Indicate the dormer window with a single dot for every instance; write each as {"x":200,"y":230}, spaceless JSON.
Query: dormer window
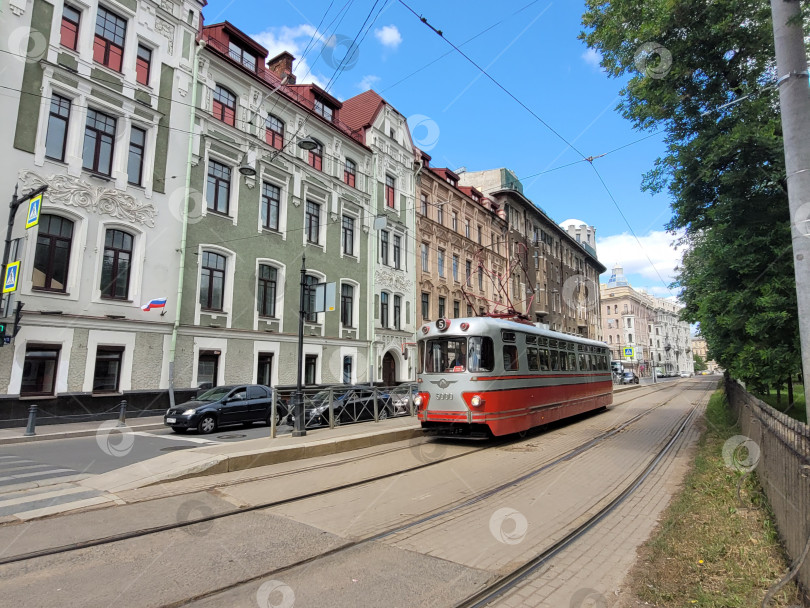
{"x":324,"y":110}
{"x":451,"y":181}
{"x":476,"y":198}
{"x":242,"y":56}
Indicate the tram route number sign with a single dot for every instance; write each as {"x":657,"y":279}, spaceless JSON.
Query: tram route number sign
{"x":629,"y":352}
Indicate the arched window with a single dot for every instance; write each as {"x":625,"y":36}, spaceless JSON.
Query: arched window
{"x":52,"y":253}
{"x":350,"y":173}
{"x":224,"y":105}
{"x":212,"y":281}
{"x":116,"y":265}
{"x":266,"y":292}
{"x":274,"y":135}
{"x":316,"y":156}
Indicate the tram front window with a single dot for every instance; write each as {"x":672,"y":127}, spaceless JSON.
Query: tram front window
{"x":454,"y":355}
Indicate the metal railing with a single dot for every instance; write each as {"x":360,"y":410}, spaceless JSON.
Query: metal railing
{"x":332,"y":406}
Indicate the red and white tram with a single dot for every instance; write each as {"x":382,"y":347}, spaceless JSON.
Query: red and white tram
{"x":484,"y":375}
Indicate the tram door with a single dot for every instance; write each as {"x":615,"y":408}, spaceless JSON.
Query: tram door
{"x":389,"y":370}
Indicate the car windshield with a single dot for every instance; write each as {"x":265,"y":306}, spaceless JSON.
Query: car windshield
{"x":214,"y":394}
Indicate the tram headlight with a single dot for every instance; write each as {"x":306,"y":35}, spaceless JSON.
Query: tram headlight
{"x":417,"y":401}
{"x":477,"y":401}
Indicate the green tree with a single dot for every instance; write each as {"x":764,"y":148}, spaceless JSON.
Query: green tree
{"x":700,"y":364}
{"x":703,"y":72}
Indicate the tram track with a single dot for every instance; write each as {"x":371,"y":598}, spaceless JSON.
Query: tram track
{"x":154,"y":530}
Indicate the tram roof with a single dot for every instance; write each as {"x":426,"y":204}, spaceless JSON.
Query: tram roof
{"x":478,"y":322}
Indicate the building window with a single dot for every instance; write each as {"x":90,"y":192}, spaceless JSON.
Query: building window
{"x":310,"y":369}
{"x":441,"y":307}
{"x":212,"y":281}
{"x":143,"y":65}
{"x":271,"y":202}
{"x":207,"y":368}
{"x":390,"y":191}
{"x":455,"y":268}
{"x":350,"y":173}
{"x":57,"y":128}
{"x":384,"y":247}
{"x":480,"y":238}
{"x":468,"y":269}
{"x":52,"y":253}
{"x":348,"y":235}
{"x":425,"y":259}
{"x":39,"y":370}
{"x":266,"y":293}
{"x":107,"y":373}
{"x":397,"y":311}
{"x":224,"y":105}
{"x":454,"y":221}
{"x":242,"y":56}
{"x":218,"y":193}
{"x":423,"y":204}
{"x":467,"y":228}
{"x":274,"y":132}
{"x":315,"y":158}
{"x":313,"y":221}
{"x":310,"y":316}
{"x":347,"y":370}
{"x":346,"y":305}
{"x":440,"y":213}
{"x":108,"y":47}
{"x":456,"y":309}
{"x":440,"y":262}
{"x":481,"y":278}
{"x":99,"y":135}
{"x":264,"y":369}
{"x":324,"y":110}
{"x":137,"y":145}
{"x":425,"y":306}
{"x":397,"y":251}
{"x":469,"y":310}
{"x":116,"y":265}
{"x":384,"y":309}
{"x":70,"y":27}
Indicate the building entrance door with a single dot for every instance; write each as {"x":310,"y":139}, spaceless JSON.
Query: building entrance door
{"x":389,"y":370}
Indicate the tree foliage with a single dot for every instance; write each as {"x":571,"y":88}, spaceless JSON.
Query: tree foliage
{"x":703,"y":72}
{"x":700,"y":364}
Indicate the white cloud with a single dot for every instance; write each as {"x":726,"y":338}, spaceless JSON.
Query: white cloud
{"x":295,"y":40}
{"x":388,"y":36}
{"x":623,"y":249}
{"x":368,"y":82}
{"x":592,"y":58}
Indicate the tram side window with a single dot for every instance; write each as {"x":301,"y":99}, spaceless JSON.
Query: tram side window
{"x":582,"y":363}
{"x":572,"y":361}
{"x":563,"y":361}
{"x":420,"y":364}
{"x":481,"y":356}
{"x":534,"y":359}
{"x":510,"y":358}
{"x":544,"y":359}
{"x":555,"y":361}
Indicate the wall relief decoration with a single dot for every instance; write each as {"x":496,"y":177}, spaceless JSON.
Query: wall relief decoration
{"x":72,"y":192}
{"x":167,"y":29}
{"x":395,"y":281}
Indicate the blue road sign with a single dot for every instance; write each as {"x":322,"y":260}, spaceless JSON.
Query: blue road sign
{"x":34,"y":208}
{"x":10,"y":280}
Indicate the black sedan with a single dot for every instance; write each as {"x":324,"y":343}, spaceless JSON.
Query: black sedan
{"x":350,"y":404}
{"x":223,"y":406}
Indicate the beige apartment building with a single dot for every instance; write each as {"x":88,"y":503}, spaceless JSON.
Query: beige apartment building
{"x":701,"y":349}
{"x":555,"y":278}
{"x":650,"y":326}
{"x":460,"y":247}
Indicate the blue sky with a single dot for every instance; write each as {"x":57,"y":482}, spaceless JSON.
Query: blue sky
{"x":467,"y":121}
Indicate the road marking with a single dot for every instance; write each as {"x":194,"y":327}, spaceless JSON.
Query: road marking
{"x":199,"y":440}
{"x":37,"y":474}
{"x":50,"y":494}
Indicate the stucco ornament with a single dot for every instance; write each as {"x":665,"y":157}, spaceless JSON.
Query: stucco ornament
{"x":392,"y":280}
{"x":167,"y":29}
{"x":72,"y":192}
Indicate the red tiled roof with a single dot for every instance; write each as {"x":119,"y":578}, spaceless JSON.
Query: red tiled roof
{"x":358,"y":112}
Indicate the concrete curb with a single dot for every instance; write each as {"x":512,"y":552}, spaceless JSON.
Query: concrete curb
{"x":70,"y":434}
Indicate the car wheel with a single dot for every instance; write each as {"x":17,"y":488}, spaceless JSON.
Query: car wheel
{"x":247,"y":424}
{"x":382,"y":414}
{"x":208,"y":424}
{"x":269,"y":419}
{"x":179,"y":429}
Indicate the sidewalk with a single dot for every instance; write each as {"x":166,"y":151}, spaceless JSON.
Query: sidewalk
{"x":75,"y":429}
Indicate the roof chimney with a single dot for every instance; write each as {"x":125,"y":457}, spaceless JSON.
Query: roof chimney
{"x":281,"y":66}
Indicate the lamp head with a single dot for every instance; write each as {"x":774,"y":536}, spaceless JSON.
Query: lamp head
{"x":307,"y":143}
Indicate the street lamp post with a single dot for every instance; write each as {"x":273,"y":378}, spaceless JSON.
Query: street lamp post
{"x":300,"y":429}
{"x":12,"y":212}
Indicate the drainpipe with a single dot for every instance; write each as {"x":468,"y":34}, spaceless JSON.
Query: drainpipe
{"x":372,"y":265}
{"x":173,"y":348}
{"x":416,"y":293}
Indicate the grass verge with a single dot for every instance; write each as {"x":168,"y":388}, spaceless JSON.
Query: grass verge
{"x":712,"y":548}
{"x":798,"y":410}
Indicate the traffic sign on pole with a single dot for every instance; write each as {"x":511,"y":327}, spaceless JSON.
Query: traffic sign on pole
{"x":34,"y":209}
{"x":629,"y":352}
{"x":11,"y":276}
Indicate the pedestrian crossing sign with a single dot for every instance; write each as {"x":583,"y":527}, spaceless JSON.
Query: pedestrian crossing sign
{"x":10,"y":278}
{"x":34,"y":208}
{"x":629,"y":352}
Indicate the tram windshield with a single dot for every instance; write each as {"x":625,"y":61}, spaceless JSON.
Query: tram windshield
{"x":455,"y":355}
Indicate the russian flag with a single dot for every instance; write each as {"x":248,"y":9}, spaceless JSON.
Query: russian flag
{"x":154,"y":303}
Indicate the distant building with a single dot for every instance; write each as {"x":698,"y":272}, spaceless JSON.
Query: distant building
{"x":701,"y":349}
{"x":650,"y":326}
